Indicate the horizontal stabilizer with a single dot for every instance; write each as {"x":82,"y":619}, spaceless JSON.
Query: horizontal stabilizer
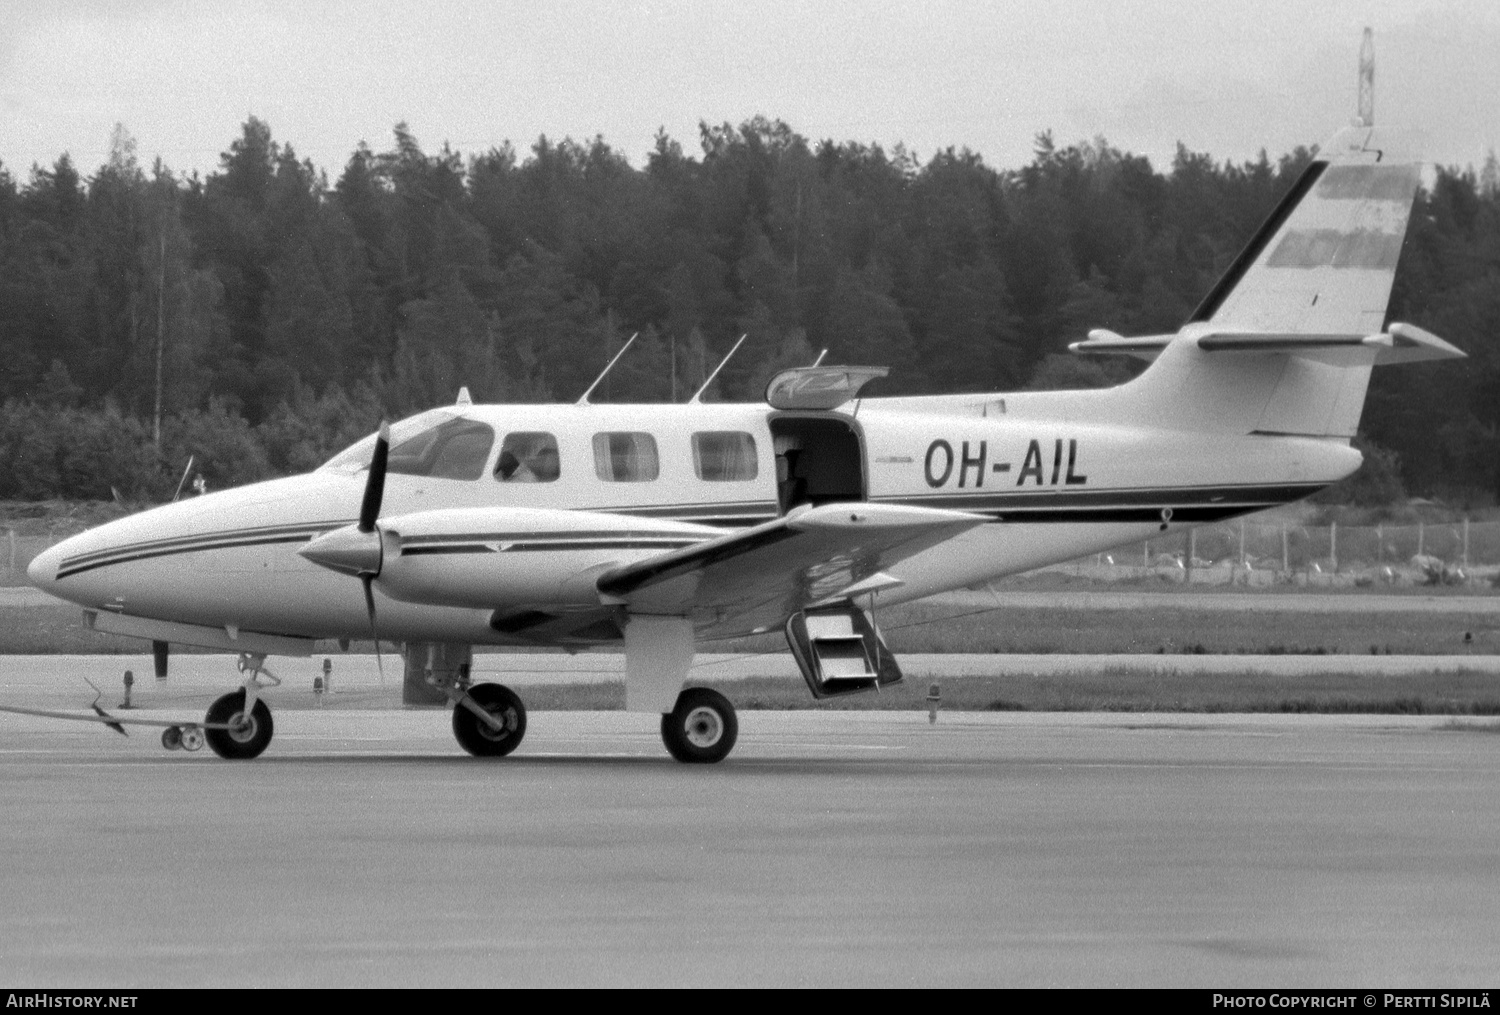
{"x":1102,"y":342}
{"x":1403,"y":343}
{"x":1411,"y":344}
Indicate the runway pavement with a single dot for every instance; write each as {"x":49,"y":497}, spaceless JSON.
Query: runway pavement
{"x":829,"y":849}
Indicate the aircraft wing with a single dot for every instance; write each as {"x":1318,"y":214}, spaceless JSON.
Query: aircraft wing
{"x":755,"y":578}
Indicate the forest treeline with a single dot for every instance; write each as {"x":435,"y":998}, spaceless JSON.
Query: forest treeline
{"x":265,"y":316}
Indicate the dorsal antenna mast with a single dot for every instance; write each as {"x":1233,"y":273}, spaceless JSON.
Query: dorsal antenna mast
{"x":610,"y":366}
{"x":726,"y":359}
{"x":1366,"y":116}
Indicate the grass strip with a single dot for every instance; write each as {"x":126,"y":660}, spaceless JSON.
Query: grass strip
{"x":923,"y":627}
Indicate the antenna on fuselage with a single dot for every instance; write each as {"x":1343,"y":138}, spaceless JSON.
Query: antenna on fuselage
{"x":183,"y":481}
{"x":699,"y":394}
{"x":819,"y":360}
{"x":1366,"y":116}
{"x":585,"y":399}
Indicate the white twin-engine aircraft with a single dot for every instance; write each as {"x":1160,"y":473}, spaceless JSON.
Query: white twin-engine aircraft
{"x":663,"y":526}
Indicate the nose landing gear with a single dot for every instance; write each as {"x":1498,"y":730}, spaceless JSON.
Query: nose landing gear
{"x":488,"y":720}
{"x":235,"y":732}
{"x":238,"y":726}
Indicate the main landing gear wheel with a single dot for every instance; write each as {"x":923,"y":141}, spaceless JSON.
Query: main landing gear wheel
{"x":477,"y":736}
{"x":702,"y":728}
{"x":247,"y":736}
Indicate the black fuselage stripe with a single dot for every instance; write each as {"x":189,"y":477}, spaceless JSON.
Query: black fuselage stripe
{"x":602,"y":544}
{"x":559,"y":544}
{"x":1106,"y":516}
{"x":1254,"y":496}
{"x":306,"y":529}
{"x":721,"y":507}
{"x":514,"y":537}
{"x":1188,"y":504}
{"x":224,"y":543}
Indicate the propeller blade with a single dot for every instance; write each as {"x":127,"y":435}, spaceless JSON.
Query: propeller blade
{"x":368,"y":581}
{"x":369,"y":509}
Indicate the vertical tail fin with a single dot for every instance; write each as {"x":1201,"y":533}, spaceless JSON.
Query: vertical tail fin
{"x":1324,"y":261}
{"x":1285,"y":340}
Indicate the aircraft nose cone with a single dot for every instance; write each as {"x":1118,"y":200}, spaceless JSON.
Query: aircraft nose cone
{"x":42,"y":571}
{"x":346,"y":550}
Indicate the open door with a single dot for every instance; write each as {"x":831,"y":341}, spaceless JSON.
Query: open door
{"x":819,"y":460}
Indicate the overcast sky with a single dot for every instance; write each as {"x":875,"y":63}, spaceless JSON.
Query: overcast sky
{"x":1228,"y":79}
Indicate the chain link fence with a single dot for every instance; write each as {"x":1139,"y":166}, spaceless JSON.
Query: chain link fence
{"x":1261,"y":552}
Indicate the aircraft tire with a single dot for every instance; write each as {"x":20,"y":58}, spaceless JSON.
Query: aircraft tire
{"x":478,"y":738}
{"x":702,"y":728}
{"x":243,"y":743}
{"x":171,"y":738}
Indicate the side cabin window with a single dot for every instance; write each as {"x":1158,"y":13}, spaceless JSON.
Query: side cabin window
{"x":721,"y":456}
{"x":625,"y":457}
{"x":456,"y":448}
{"x":527,"y":456}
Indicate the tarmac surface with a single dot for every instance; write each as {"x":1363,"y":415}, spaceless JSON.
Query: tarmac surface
{"x":831,"y":848}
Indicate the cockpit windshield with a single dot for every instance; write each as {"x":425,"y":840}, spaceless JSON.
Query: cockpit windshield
{"x":440,"y":444}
